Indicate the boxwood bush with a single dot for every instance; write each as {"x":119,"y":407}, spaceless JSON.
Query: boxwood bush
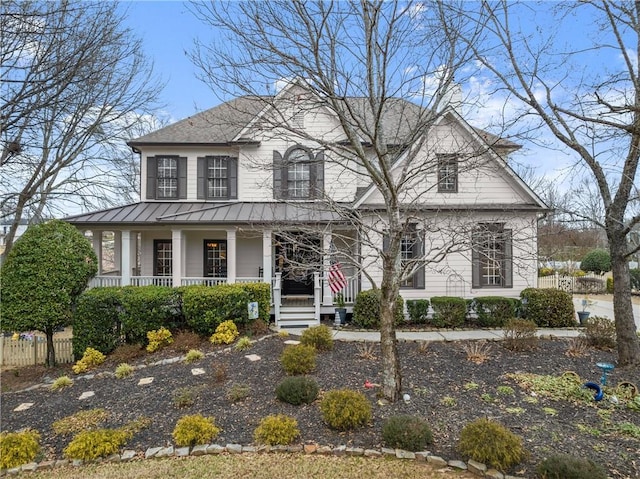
{"x":547,"y":307}
{"x":96,"y":321}
{"x":448,"y":311}
{"x":205,"y":307}
{"x":148,"y":308}
{"x":418,"y":310}
{"x":366,"y":309}
{"x":494,"y":311}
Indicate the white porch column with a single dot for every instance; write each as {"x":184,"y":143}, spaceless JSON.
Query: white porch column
{"x":96,"y":241}
{"x":327,"y":297}
{"x":266,"y":256}
{"x":177,"y":264}
{"x":231,"y":256}
{"x":125,"y":257}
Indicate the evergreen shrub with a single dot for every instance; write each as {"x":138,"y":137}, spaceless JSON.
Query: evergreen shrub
{"x":345,"y":409}
{"x":448,"y":311}
{"x":494,"y":311}
{"x":406,"y":432}
{"x":418,"y":310}
{"x":548,"y":307}
{"x":366,"y":309}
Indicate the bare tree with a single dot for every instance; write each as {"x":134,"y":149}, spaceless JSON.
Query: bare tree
{"x":370,"y":64}
{"x":593,"y":111}
{"x":75,"y":87}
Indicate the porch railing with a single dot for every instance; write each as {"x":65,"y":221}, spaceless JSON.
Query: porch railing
{"x":151,"y":280}
{"x":350,"y":291}
{"x":204,"y":281}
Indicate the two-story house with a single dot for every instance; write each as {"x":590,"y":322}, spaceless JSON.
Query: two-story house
{"x":226,"y":197}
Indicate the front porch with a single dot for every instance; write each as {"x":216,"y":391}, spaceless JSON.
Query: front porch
{"x":226,"y":255}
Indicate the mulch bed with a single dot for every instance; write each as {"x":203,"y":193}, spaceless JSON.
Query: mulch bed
{"x":434,"y":377}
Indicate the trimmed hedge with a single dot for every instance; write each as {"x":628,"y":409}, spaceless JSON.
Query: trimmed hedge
{"x":366,"y":309}
{"x":547,"y":307}
{"x":205,"y":307}
{"x":418,"y":310}
{"x":494,"y":311}
{"x":448,"y":311}
{"x":96,"y":321}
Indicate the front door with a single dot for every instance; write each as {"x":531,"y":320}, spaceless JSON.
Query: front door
{"x":297,"y":258}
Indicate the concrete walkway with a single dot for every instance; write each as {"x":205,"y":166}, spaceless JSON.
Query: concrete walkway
{"x":605,"y":308}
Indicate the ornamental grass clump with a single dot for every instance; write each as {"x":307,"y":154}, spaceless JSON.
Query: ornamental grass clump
{"x":226,"y":333}
{"x":90,"y":359}
{"x":345,"y":409}
{"x":298,"y":359}
{"x":276,"y":430}
{"x":320,"y":337}
{"x":18,"y":448}
{"x":193,"y":430}
{"x":491,"y":443}
{"x":61,"y":383}
{"x":406,"y":432}
{"x":193,"y":355}
{"x":124,"y":370}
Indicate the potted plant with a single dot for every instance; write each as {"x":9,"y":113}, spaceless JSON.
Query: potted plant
{"x":584,"y":314}
{"x":341,"y":310}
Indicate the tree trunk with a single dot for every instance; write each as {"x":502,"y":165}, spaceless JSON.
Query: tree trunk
{"x":391,"y":378}
{"x":51,"y":352}
{"x":628,"y":344}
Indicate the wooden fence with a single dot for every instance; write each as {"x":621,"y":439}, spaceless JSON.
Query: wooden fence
{"x":28,"y":352}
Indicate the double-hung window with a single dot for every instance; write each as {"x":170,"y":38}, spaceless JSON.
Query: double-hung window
{"x":298,"y":174}
{"x":217,"y":178}
{"x":167,"y":177}
{"x":162,"y":257}
{"x":492,"y":257}
{"x":447,"y":174}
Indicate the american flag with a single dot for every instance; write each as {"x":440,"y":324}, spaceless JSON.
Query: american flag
{"x":337,"y":279}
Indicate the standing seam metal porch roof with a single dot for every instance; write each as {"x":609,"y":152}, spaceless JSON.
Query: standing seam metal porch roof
{"x":149,"y":213}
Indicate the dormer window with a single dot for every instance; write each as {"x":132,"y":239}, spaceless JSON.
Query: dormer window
{"x":298,"y":174}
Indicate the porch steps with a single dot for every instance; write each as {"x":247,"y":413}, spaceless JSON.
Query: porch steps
{"x":297,"y":317}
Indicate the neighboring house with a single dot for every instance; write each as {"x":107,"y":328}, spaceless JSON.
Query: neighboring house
{"x":5,"y":226}
{"x":228,"y":199}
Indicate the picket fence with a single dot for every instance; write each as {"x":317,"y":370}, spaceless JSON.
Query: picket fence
{"x":29,"y":352}
{"x":590,"y":283}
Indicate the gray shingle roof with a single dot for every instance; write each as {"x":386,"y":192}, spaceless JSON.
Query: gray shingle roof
{"x":222,"y":124}
{"x":208,"y":213}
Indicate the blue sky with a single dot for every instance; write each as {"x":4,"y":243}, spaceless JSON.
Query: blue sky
{"x":167,"y":30}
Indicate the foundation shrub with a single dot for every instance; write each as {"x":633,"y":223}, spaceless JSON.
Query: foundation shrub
{"x":17,"y":448}
{"x":418,"y":310}
{"x":547,"y":307}
{"x":297,"y":390}
{"x":193,"y":430}
{"x":366,"y":309}
{"x":600,"y":332}
{"x":565,"y":466}
{"x":276,"y":430}
{"x":494,"y":311}
{"x":345,"y":409}
{"x":448,"y":311}
{"x":406,"y":432}
{"x":298,"y":359}
{"x":90,"y":359}
{"x":491,"y":443}
{"x":158,"y":339}
{"x":320,"y":337}
{"x":226,"y":333}
{"x":205,"y":307}
{"x":96,"y":321}
{"x":149,"y":308}
{"x":91,"y":445}
{"x":520,"y":335}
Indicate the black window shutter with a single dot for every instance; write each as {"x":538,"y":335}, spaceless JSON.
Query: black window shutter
{"x":182,"y":177}
{"x":418,"y":252}
{"x":279,"y":182}
{"x":318,"y":185}
{"x":232,"y":174}
{"x":475,"y":261}
{"x":152,"y":171}
{"x":508,"y":259}
{"x":385,"y":243}
{"x":202,"y":178}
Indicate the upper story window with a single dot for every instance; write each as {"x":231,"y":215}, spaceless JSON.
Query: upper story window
{"x":217,"y":177}
{"x":298,"y":174}
{"x":166,"y":177}
{"x":447,"y":174}
{"x":492,"y":257}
